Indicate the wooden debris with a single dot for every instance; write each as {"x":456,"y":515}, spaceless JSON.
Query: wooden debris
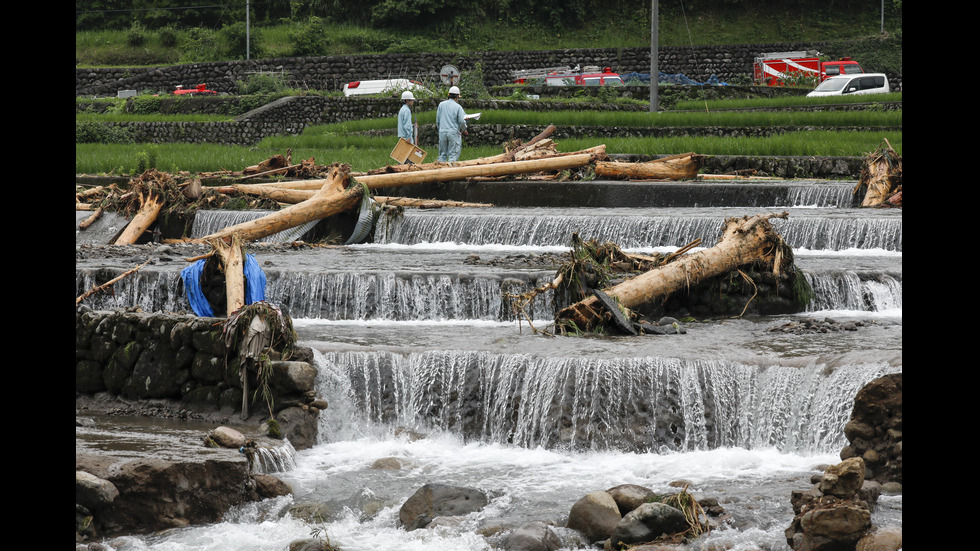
{"x":84,"y":224}
{"x":109,"y":283}
{"x":229,"y":252}
{"x":147,"y":215}
{"x":684,"y":166}
{"x":424,"y":203}
{"x":745,"y":241}
{"x":330,"y":199}
{"x":882,"y":176}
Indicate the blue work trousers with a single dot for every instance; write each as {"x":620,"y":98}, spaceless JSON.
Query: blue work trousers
{"x":450,"y":144}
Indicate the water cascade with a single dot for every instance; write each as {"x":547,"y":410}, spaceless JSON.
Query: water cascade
{"x":645,"y":404}
{"x":648,"y":228}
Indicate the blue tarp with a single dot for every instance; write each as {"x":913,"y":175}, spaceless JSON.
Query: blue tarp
{"x":665,"y":78}
{"x":254,"y":285}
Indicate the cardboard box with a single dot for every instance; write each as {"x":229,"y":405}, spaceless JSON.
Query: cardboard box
{"x":404,"y":152}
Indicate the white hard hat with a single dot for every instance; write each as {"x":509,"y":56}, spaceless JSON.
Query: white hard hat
{"x":454,"y":90}
{"x":407,"y":94}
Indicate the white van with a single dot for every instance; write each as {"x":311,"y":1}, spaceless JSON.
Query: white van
{"x":843,"y":85}
{"x":371,"y":87}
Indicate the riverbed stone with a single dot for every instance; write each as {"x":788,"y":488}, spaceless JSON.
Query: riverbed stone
{"x":533,"y":536}
{"x":595,"y":516}
{"x":227,"y":437}
{"x":630,"y":496}
{"x":435,"y":500}
{"x":648,"y":522}
{"x":93,"y":492}
{"x":836,"y":527}
{"x":888,"y":538}
{"x":844,"y":479}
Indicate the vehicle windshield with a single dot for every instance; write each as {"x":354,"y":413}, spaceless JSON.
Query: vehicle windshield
{"x":831,"y":85}
{"x":851,"y":69}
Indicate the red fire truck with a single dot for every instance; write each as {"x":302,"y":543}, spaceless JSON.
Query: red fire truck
{"x":772,"y":69}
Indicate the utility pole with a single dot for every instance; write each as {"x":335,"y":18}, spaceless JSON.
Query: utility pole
{"x":654,"y":67}
{"x":248,"y":35}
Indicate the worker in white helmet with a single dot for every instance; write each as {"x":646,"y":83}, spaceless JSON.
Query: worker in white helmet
{"x":450,"y":119}
{"x":406,"y":129}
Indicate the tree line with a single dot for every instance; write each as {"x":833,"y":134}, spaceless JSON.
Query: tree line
{"x":413,"y":15}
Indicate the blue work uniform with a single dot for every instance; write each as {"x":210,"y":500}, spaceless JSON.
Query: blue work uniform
{"x":451,"y":123}
{"x":405,"y":129}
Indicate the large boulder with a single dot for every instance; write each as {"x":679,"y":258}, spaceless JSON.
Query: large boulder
{"x":157,"y":494}
{"x":437,"y":500}
{"x":298,"y":425}
{"x":832,"y":528}
{"x":595,"y":516}
{"x":93,"y":492}
{"x":648,"y":522}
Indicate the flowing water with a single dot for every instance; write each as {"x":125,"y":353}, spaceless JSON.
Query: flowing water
{"x":424,"y":366}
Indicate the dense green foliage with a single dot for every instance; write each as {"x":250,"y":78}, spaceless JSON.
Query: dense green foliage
{"x":140,"y":32}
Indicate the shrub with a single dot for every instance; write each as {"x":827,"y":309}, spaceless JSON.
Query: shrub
{"x":146,"y":159}
{"x":95,"y":132}
{"x":238,"y":42}
{"x":262,"y":83}
{"x":168,"y":36}
{"x":200,"y":45}
{"x":136,"y":36}
{"x":309,"y":38}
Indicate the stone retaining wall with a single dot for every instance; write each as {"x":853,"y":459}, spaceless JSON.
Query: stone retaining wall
{"x":183,"y":358}
{"x":727,"y":62}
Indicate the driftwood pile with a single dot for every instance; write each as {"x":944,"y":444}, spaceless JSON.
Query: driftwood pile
{"x":335,"y":189}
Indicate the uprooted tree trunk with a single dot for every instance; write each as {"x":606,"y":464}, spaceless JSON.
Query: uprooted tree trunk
{"x":882,"y":175}
{"x":229,"y":251}
{"x":333,"y":197}
{"x":147,"y":215}
{"x":745,"y":241}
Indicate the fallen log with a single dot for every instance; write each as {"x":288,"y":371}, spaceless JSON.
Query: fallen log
{"x":748,"y":240}
{"x":332,"y":198}
{"x":375,"y":181}
{"x":149,"y":210}
{"x":676,"y":167}
{"x":457,"y":172}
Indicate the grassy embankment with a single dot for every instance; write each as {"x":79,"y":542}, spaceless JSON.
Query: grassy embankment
{"x":341,"y":143}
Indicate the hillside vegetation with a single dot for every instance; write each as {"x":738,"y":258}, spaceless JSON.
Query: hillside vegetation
{"x":163,"y":32}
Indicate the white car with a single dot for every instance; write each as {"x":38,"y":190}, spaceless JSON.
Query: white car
{"x":843,"y":85}
{"x":373,"y":87}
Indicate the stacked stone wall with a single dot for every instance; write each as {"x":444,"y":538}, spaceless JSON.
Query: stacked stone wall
{"x":172,"y":357}
{"x":330,"y":73}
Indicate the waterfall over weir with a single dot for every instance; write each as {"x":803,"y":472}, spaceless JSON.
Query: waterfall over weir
{"x":574,"y":403}
{"x":631,"y":229}
{"x":210,"y":221}
{"x":413,"y":296}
